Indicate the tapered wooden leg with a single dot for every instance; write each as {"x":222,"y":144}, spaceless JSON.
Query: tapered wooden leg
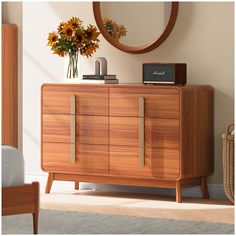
{"x":49,"y":183}
{"x":178,"y":192}
{"x":204,"y":188}
{"x":35,"y":222}
{"x":76,"y":184}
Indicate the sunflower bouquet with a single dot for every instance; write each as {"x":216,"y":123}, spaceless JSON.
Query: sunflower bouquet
{"x":114,"y":29}
{"x":72,"y":39}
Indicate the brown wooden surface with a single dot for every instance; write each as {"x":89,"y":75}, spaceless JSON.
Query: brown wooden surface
{"x":190,"y":182}
{"x":89,"y":129}
{"x":76,"y":185}
{"x":124,"y":131}
{"x":90,"y":100}
{"x":124,"y":101}
{"x":89,"y":158}
{"x":21,"y":200}
{"x":49,"y":183}
{"x":149,"y":46}
{"x":116,"y":180}
{"x":178,"y":136}
{"x":159,"y":163}
{"x":197,"y":135}
{"x":35,"y":222}
{"x":204,"y":188}
{"x":9,"y":85}
{"x":178,"y":192}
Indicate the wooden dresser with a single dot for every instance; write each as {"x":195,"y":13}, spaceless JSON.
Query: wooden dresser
{"x":128,"y":134}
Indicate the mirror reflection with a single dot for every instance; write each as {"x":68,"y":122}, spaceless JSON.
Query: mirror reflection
{"x":135,"y":23}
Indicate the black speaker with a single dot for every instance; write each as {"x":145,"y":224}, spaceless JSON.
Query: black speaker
{"x":164,"y":73}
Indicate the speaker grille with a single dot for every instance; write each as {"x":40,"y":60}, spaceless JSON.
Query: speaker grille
{"x":158,"y":73}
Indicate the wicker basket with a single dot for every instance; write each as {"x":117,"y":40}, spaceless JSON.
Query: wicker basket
{"x":228,"y":162}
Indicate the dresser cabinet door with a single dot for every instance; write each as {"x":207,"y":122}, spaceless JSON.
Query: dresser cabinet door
{"x":161,"y":159}
{"x":159,"y":163}
{"x":88,"y":129}
{"x":89,"y":100}
{"x":161,"y":132}
{"x":89,"y":126}
{"x":159,"y":102}
{"x":89,"y":159}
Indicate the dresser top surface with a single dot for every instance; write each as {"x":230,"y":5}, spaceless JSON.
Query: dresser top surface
{"x":133,"y":85}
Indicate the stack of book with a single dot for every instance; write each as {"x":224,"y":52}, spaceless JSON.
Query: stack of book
{"x":99,"y":79}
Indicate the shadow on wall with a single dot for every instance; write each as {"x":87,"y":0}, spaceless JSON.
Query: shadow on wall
{"x":32,"y":137}
{"x":40,"y":66}
{"x":71,"y":10}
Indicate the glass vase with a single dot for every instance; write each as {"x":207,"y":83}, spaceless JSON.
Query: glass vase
{"x":72,"y":69}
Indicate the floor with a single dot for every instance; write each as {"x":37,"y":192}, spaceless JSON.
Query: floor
{"x":220,"y":211}
{"x":147,"y":205}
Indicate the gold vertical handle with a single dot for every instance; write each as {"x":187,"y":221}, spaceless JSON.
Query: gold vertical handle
{"x":72,"y":129}
{"x":141,"y":132}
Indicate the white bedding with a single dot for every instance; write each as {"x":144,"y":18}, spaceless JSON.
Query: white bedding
{"x":12,"y":167}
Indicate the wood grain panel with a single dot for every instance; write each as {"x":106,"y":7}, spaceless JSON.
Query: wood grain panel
{"x":92,"y":129}
{"x":124,"y":101}
{"x":89,"y":158}
{"x":124,"y":131}
{"x":9,"y":85}
{"x":111,"y":179}
{"x":20,"y":199}
{"x":89,"y":129}
{"x":159,"y":163}
{"x":90,"y":100}
{"x":56,"y":128}
{"x":197,"y":124}
{"x":162,"y":133}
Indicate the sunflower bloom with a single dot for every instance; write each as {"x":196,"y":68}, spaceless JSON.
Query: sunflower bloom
{"x":67,"y":31}
{"x":91,"y":34}
{"x":60,"y":27}
{"x":52,"y":38}
{"x":89,"y":50}
{"x":75,"y":22}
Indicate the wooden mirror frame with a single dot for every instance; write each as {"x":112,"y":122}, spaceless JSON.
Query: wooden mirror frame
{"x":140,"y":49}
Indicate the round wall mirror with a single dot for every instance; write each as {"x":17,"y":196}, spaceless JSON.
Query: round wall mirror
{"x":135,"y":27}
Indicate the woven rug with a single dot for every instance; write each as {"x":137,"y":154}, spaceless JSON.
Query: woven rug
{"x":68,"y":222}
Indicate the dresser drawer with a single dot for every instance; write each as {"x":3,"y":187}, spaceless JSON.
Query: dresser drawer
{"x":159,"y":163}
{"x":88,"y":158}
{"x":164,"y":133}
{"x":89,"y":129}
{"x":159,"y":103}
{"x":90,"y":100}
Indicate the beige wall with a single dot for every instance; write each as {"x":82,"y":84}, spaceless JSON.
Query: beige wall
{"x":12,"y":14}
{"x":203,"y":38}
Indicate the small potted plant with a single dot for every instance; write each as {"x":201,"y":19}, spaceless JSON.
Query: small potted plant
{"x":72,"y":39}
